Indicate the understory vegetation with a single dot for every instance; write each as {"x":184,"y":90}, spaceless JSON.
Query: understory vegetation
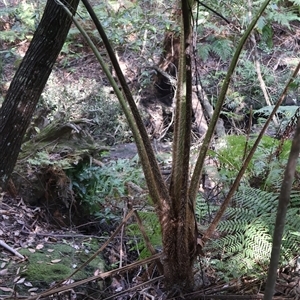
{"x":79,"y":126}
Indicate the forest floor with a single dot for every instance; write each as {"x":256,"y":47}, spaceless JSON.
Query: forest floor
{"x":41,"y":261}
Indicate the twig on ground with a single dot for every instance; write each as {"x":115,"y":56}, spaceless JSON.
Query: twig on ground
{"x":10,"y":249}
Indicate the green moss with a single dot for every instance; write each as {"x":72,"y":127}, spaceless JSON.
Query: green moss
{"x":57,"y":262}
{"x":47,"y":272}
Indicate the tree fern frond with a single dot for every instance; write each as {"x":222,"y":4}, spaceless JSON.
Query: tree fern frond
{"x":203,"y":50}
{"x":257,"y":200}
{"x":240,"y":212}
{"x":232,"y":226}
{"x":222,"y":48}
{"x":248,"y":229}
{"x":285,"y":18}
{"x":231,"y":243}
{"x":259,"y":247}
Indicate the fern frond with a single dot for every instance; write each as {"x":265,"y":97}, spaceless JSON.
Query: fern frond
{"x":222,"y":48}
{"x":153,"y":231}
{"x":232,"y":226}
{"x":244,"y":214}
{"x":247,"y":230}
{"x":285,"y":18}
{"x":257,"y":200}
{"x":203,"y":51}
{"x":258,"y":243}
{"x":230,"y":244}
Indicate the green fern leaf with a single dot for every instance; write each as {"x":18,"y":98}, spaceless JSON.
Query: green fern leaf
{"x":247,"y":230}
{"x":222,"y":48}
{"x":203,"y":51}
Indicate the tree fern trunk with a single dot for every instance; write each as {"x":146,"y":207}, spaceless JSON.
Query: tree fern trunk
{"x":178,"y":222}
{"x":179,"y":255}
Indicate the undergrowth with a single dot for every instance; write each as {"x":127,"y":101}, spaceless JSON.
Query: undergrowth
{"x":246,"y":234}
{"x":101,"y":188}
{"x":153,"y":231}
{"x":266,"y":167}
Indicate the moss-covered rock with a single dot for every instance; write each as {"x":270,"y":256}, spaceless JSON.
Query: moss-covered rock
{"x":55,"y":262}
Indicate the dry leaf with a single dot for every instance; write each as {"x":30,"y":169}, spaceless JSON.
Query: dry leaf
{"x":50,"y":250}
{"x":17,"y":278}
{"x":54,"y":261}
{"x":3,"y":272}
{"x":3,"y":265}
{"x":69,"y":281}
{"x":39,"y":246}
{"x":5,"y":289}
{"x":31,"y":250}
{"x":21,"y":280}
{"x":26,"y":283}
{"x":33,"y":289}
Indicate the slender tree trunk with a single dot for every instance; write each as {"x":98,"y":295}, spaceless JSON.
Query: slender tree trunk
{"x":283,"y":203}
{"x":29,"y":81}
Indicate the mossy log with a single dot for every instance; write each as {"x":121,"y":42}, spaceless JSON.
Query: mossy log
{"x":59,"y":136}
{"x":39,"y":176}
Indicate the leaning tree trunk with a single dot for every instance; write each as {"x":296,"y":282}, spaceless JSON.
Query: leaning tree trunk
{"x":29,"y":81}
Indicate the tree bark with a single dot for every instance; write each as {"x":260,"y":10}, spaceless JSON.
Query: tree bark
{"x":29,"y":81}
{"x":179,"y":231}
{"x":283,"y":203}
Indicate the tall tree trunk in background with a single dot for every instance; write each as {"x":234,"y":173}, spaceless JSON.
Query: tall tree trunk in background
{"x":29,"y":81}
